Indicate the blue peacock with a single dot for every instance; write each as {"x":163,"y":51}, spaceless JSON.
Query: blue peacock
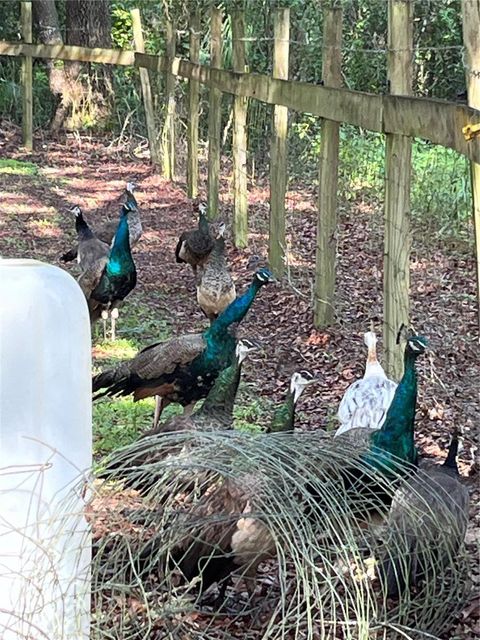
{"x":108,"y":275}
{"x":391,"y":450}
{"x":182,"y":369}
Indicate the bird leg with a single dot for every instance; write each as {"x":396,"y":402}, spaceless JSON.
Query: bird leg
{"x":158,"y":410}
{"x":113,"y":317}
{"x":104,"y":321}
{"x":187,"y":411}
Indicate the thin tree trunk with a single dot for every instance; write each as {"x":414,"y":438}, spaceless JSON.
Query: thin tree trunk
{"x":88,"y":24}
{"x":45,"y":19}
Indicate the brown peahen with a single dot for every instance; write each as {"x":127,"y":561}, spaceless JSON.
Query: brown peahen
{"x":215,"y":288}
{"x":426,"y":524}
{"x":182,"y":369}
{"x":229,"y":538}
{"x":194,"y":246}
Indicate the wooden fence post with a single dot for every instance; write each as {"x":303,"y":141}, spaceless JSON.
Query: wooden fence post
{"x":278,"y":148}
{"x":471,"y":40}
{"x":146,"y":89}
{"x":214,"y":114}
{"x":168,"y":134}
{"x":27,"y":88}
{"x":325,"y":261}
{"x":193,"y":102}
{"x":240,"y":104}
{"x":396,"y":279}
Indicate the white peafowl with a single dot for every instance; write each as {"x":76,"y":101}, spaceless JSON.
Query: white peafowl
{"x":366,"y":401}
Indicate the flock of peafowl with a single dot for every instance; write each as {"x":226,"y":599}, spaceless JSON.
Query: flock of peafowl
{"x":377,"y":422}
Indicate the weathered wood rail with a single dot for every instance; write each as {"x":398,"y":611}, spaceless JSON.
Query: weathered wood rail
{"x":437,"y":121}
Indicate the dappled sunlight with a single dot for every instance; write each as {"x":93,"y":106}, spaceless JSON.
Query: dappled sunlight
{"x":45,"y":228}
{"x":119,"y":350}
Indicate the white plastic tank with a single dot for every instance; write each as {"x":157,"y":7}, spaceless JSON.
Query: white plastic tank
{"x":45,"y":453}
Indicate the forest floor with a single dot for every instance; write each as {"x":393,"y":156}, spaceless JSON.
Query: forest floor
{"x":36,"y":189}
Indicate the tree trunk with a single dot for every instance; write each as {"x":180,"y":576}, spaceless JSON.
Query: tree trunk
{"x":88,"y":24}
{"x":45,"y":19}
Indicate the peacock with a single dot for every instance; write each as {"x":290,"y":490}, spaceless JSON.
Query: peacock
{"x":195,"y":246}
{"x":427,"y":525}
{"x":365,"y":402}
{"x":384,"y":454}
{"x":216,"y":413}
{"x":108,"y":280}
{"x":284,"y":416}
{"x":215,"y":287}
{"x":106,"y":232}
{"x":182,"y":369}
{"x":232,"y":540}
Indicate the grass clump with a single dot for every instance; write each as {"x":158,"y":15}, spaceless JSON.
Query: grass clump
{"x":119,"y":422}
{"x":18,"y":167}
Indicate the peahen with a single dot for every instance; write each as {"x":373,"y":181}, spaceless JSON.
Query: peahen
{"x":366,"y":401}
{"x":108,"y":280}
{"x":215,"y":288}
{"x":92,"y":253}
{"x":232,"y":539}
{"x":182,"y":369}
{"x":107,"y":231}
{"x":426,"y":524}
{"x":195,"y":246}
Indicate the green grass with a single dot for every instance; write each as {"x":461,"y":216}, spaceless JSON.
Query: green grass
{"x":141,"y":323}
{"x":17,"y":167}
{"x":119,"y":422}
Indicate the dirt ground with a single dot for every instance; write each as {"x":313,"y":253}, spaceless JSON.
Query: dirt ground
{"x":34,"y":224}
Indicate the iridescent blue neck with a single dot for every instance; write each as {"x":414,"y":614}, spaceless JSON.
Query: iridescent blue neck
{"x":203,"y":222}
{"x":131,"y":200}
{"x":400,"y":420}
{"x":236,"y":310}
{"x":120,"y":253}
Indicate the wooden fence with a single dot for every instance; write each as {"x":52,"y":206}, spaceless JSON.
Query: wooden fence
{"x":399,"y":116}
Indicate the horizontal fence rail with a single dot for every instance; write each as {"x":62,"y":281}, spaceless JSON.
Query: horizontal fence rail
{"x":437,"y":121}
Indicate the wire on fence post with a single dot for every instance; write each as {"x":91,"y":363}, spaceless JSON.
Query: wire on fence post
{"x":214,"y":114}
{"x":278,"y":148}
{"x":27,"y":89}
{"x":325,"y":263}
{"x":398,"y":156}
{"x":146,"y":88}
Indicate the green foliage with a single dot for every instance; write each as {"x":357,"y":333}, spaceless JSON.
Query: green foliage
{"x":18,"y":167}
{"x":117,"y":423}
{"x":250,"y":412}
{"x":121,"y":27}
{"x":441,"y":188}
